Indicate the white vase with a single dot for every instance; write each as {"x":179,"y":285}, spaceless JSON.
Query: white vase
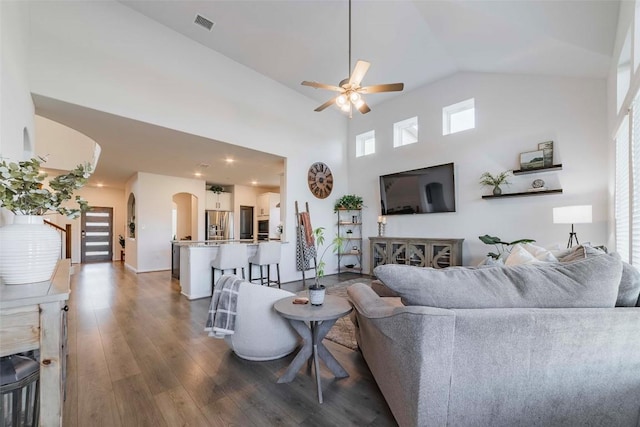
{"x":29,"y":250}
{"x":316,"y":295}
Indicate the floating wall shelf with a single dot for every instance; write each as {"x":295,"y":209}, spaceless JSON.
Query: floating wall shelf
{"x":523,"y":194}
{"x":538,"y":170}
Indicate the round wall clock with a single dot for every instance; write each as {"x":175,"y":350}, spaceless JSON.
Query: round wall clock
{"x":320,"y":180}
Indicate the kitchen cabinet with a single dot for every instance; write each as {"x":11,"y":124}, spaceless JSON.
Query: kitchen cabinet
{"x":218,"y":201}
{"x":267,"y":204}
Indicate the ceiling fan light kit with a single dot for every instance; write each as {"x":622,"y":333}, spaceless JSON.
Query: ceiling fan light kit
{"x":350,"y":90}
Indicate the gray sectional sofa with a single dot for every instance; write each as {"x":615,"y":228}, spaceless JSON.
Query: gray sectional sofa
{"x":531,"y":345}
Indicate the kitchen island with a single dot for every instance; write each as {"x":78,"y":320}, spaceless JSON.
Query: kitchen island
{"x":195,"y":264}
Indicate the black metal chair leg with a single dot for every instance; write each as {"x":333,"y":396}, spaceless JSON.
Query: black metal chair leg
{"x":278,"y":271}
{"x":250,"y":271}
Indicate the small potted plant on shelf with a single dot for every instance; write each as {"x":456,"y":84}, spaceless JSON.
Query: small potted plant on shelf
{"x":348,"y":202}
{"x":496,"y":181}
{"x":216,"y":189}
{"x":317,"y":290}
{"x":122,"y":244}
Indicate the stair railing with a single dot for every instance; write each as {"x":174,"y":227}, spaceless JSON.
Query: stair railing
{"x":67,"y":238}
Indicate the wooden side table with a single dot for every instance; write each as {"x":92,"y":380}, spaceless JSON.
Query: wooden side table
{"x":321,"y":318}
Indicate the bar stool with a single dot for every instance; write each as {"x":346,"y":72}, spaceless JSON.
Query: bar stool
{"x":268,"y":253}
{"x":230,"y":255}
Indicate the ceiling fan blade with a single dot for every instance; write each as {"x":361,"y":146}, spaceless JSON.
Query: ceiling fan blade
{"x":391,"y":87}
{"x":322,"y":86}
{"x":358,"y":72}
{"x":326,"y":104}
{"x":364,"y":108}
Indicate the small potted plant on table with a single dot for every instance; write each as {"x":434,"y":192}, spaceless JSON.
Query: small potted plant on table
{"x":317,"y":290}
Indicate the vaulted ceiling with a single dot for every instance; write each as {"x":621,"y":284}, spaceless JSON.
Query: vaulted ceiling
{"x":410,"y":41}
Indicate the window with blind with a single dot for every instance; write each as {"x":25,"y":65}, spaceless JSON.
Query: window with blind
{"x":622,"y":191}
{"x":627,"y":196}
{"x":635,"y":194}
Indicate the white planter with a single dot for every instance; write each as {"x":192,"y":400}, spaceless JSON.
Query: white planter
{"x":29,"y":250}
{"x":316,"y":296}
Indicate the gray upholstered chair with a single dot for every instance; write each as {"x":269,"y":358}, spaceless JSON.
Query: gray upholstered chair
{"x":230,"y":256}
{"x":268,"y":254}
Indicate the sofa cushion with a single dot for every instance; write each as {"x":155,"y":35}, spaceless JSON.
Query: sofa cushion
{"x":591,"y":282}
{"x":629,"y":290}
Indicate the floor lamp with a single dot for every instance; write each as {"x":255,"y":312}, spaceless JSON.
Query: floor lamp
{"x":572,"y":215}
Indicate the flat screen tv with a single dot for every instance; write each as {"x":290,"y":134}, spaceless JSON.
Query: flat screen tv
{"x":418,"y":191}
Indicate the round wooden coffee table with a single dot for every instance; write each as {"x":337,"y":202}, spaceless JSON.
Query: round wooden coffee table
{"x":321,"y":318}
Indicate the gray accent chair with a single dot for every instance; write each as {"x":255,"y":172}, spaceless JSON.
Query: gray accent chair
{"x":510,"y":365}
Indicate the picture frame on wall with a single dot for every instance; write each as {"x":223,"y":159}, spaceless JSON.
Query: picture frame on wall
{"x":532,"y":160}
{"x":547,"y":149}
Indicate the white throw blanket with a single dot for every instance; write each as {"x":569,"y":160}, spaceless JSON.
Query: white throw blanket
{"x":221,"y":320}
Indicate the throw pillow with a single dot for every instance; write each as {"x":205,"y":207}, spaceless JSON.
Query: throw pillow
{"x":580,"y":252}
{"x":629,"y":290}
{"x":540,"y":253}
{"x":519,"y":256}
{"x":592,"y":282}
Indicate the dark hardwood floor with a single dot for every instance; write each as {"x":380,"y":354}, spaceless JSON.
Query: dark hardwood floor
{"x":138,"y":356}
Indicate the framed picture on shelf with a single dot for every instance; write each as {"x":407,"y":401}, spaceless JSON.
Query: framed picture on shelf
{"x":547,"y":149}
{"x":532,"y":160}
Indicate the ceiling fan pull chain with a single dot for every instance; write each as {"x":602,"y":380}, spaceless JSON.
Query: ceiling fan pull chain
{"x":349,"y":70}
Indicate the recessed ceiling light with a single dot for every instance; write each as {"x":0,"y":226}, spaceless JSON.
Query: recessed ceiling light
{"x":254,"y":182}
{"x":197,"y":174}
{"x":229,"y":160}
{"x":100,"y":184}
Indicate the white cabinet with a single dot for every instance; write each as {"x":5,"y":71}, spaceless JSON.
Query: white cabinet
{"x":218,"y":201}
{"x":268,"y":206}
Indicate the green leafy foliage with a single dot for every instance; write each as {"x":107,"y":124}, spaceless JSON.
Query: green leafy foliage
{"x":494,"y":181}
{"x":504,"y":246}
{"x":336,"y":245}
{"x":216,"y":189}
{"x":22,"y":190}
{"x":348,"y":201}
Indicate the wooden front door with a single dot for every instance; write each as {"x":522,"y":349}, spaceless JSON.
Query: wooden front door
{"x":97,"y":235}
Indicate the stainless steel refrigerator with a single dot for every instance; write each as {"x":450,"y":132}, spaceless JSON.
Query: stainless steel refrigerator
{"x":219,"y":225}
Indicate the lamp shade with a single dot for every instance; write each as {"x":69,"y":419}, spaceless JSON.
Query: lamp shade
{"x":572,"y":215}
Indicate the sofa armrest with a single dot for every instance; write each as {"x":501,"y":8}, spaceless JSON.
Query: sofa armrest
{"x":409,"y":350}
{"x":371,"y":305}
{"x":382,"y":289}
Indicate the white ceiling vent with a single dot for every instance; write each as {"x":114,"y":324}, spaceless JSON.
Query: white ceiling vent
{"x":204,"y":22}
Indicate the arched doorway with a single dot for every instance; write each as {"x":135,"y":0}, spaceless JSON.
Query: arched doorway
{"x":185,"y":216}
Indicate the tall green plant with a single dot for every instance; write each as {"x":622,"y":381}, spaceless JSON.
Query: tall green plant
{"x":335,"y":245}
{"x":22,"y":190}
{"x":504,"y":246}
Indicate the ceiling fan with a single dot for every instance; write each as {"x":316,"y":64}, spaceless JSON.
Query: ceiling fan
{"x":349,"y":89}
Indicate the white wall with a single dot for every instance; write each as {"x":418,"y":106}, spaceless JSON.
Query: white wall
{"x":16,"y":106}
{"x":134,"y":67}
{"x":513,"y":114}
{"x":183,"y":204}
{"x":64,"y":147}
{"x":131,"y":250}
{"x":154,"y":203}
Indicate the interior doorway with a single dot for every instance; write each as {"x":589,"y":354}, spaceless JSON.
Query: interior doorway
{"x":96,"y":235}
{"x":246,"y":222}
